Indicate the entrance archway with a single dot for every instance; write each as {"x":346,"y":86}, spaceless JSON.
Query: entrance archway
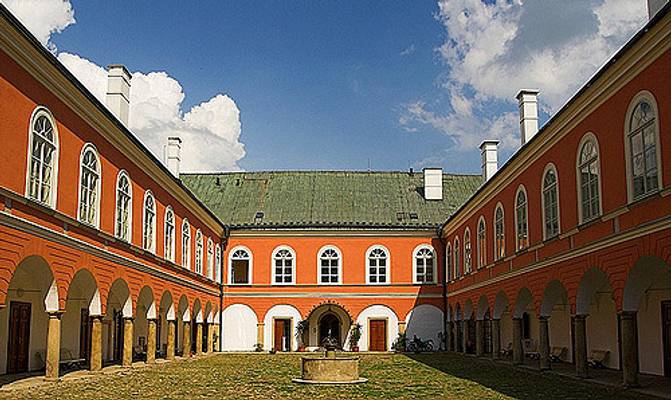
{"x":329,"y":325}
{"x":325,"y":318}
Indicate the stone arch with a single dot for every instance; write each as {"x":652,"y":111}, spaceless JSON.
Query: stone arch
{"x":145,"y":306}
{"x":197,"y":311}
{"x":280,"y":311}
{"x":555,"y":293}
{"x":119,"y":294}
{"x":501,"y":304}
{"x":483,"y":307}
{"x":648,"y":274}
{"x":207,"y":315}
{"x":239,"y":328}
{"x":425,"y":321}
{"x":524,"y":299}
{"x":457,"y":312}
{"x":167,"y":306}
{"x":468,"y":309}
{"x":377,"y":312}
{"x":593,"y":282}
{"x":183,"y":311}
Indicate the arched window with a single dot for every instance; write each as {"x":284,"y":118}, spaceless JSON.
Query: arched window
{"x":642,"y":145}
{"x":43,"y":163}
{"x":124,"y":207}
{"x":329,"y":265}
{"x":425,"y":267}
{"x":457,"y":259}
{"x":482,"y":243}
{"x":448,"y":262}
{"x":550,"y":203}
{"x":377,"y":265}
{"x":169,"y":234}
{"x":149,"y":224}
{"x":186,"y":244}
{"x":521,"y":219}
{"x":89,"y":186}
{"x":210,"y":259}
{"x":467,"y":251}
{"x":283,"y":266}
{"x":240,"y":266}
{"x":499,"y":234}
{"x":199,"y":252}
{"x":217,"y":262}
{"x":588,"y":175}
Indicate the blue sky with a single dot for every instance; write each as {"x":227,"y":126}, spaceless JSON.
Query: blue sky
{"x":336,"y":84}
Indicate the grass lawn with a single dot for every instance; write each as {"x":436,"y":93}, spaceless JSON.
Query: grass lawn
{"x":269,"y":376}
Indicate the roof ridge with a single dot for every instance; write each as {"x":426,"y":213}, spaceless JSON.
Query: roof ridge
{"x":317,"y":171}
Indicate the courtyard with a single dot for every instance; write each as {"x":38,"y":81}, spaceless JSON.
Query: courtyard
{"x":269,"y":376}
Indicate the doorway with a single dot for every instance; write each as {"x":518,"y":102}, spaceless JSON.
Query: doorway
{"x":19,"y":337}
{"x":377,"y":335}
{"x":329,"y":324}
{"x":666,"y":334}
{"x":281,"y":334}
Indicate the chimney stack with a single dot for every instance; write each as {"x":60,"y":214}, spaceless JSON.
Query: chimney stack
{"x":174,"y":154}
{"x":433,"y":183}
{"x":118,"y":91}
{"x":490,"y":162}
{"x":654,"y":6}
{"x":528,"y":100}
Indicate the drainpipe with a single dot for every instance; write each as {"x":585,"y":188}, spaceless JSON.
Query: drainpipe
{"x":224,"y":243}
{"x":444,"y":282}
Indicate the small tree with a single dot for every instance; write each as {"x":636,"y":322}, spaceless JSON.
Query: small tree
{"x":400,"y":343}
{"x":355,"y":336}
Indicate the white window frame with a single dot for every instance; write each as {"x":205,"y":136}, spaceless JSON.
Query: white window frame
{"x":587,"y":137}
{"x":273,"y":274}
{"x":456,"y":258}
{"x":468,"y":256}
{"x":89,"y":148}
{"x":129,"y":237}
{"x":550,"y":167}
{"x":481,"y":243}
{"x":340,"y":264}
{"x":387,"y":274}
{"x":217,"y":255}
{"x":170,"y":256}
{"x":186,"y":255}
{"x":414,"y":264}
{"x":250,"y":265}
{"x":650,"y":98}
{"x":499,"y":255}
{"x":448,"y":262}
{"x":152,"y":248}
{"x":200,"y":252}
{"x":210,"y":259}
{"x":53,"y":186}
{"x":518,"y":245}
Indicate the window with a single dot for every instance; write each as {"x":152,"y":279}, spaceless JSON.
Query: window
{"x":169,"y":234}
{"x":217,"y":262}
{"x":448,"y":262}
{"x":283,"y":266}
{"x":457,"y":259}
{"x":521,"y":220}
{"x":425,"y":269}
{"x":467,"y":251}
{"x":124,"y":207}
{"x":89,"y":186}
{"x":550,"y":203}
{"x":210,"y":259}
{"x":43,"y":154}
{"x":588,"y":175}
{"x":482,"y":243}
{"x":642,"y":139}
{"x":329,"y":265}
{"x":199,"y":252}
{"x":149,"y":225}
{"x":186,"y":244}
{"x":377,"y":265}
{"x":240,"y":265}
{"x":499,"y":234}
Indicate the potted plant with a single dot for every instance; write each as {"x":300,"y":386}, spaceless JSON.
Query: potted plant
{"x":400,"y":343}
{"x":301,"y":328}
{"x":355,"y":336}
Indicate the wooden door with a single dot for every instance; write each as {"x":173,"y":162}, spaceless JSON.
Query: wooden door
{"x":84,"y":334}
{"x":666,"y":332}
{"x":378,"y":335}
{"x":280,"y":336}
{"x":19,"y":337}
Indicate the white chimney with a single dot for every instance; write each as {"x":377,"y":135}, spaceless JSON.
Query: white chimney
{"x":528,"y":99}
{"x":654,"y":6}
{"x":490,"y":162}
{"x":118,"y":91}
{"x":173,"y":154}
{"x":433,"y":183}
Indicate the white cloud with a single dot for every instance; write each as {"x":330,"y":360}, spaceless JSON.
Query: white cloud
{"x":494,"y":49}
{"x":210,"y":131}
{"x":43,"y":17}
{"x":408,"y":50}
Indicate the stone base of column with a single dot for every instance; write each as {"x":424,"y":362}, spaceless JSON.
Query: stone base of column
{"x":151,"y":341}
{"x":127,"y":359}
{"x":199,"y":338}
{"x":170,"y":348}
{"x":53,"y":353}
{"x":96,"y":362}
{"x":186,"y":340}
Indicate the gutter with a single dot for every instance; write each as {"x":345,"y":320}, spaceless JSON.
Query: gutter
{"x":444,"y":284}
{"x":224,"y":243}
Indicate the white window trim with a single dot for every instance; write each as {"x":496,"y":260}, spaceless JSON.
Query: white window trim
{"x":340,"y":264}
{"x":388,"y":268}
{"x":588,"y":136}
{"x":89,"y":147}
{"x":272,"y":265}
{"x":199,"y":234}
{"x":210,"y":259}
{"x":496,"y":256}
{"x":129,"y":239}
{"x":170,"y":257}
{"x":217,"y":261}
{"x":144,"y":215}
{"x":480,"y":247}
{"x":448,"y":262}
{"x":250,"y":267}
{"x":37,"y":112}
{"x":522,"y":189}
{"x":467,"y":231}
{"x":548,"y":167}
{"x":414,"y":264}
{"x":456,"y":258}
{"x":648,"y":96}
{"x":186,"y":258}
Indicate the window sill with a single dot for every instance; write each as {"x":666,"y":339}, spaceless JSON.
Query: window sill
{"x":643,"y":198}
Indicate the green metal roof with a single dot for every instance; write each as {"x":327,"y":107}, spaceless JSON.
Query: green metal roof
{"x":328,"y":198}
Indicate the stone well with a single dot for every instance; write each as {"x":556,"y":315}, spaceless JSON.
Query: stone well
{"x":330,"y":370}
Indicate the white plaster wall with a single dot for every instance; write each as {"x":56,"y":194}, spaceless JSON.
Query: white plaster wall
{"x":71,"y":325}
{"x":281,"y":311}
{"x":602,"y":329}
{"x":38,"y":329}
{"x":377,"y":312}
{"x":239,"y":328}
{"x":560,"y":332}
{"x":425,"y":321}
{"x":650,"y":342}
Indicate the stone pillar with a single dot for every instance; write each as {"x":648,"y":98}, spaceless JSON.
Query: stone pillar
{"x":53,"y":352}
{"x":216,"y":333}
{"x":170,"y":349}
{"x":449,"y":345}
{"x":464,"y":336}
{"x":186,"y":340}
{"x":208,"y":345}
{"x":96,"y":363}
{"x":629,"y":348}
{"x":518,"y":351}
{"x":496,"y":338}
{"x":259,"y":334}
{"x":151,"y":341}
{"x":479,"y":338}
{"x":544,"y":343}
{"x":199,"y":338}
{"x":127,"y":342}
{"x":401,"y":327}
{"x":580,"y":345}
